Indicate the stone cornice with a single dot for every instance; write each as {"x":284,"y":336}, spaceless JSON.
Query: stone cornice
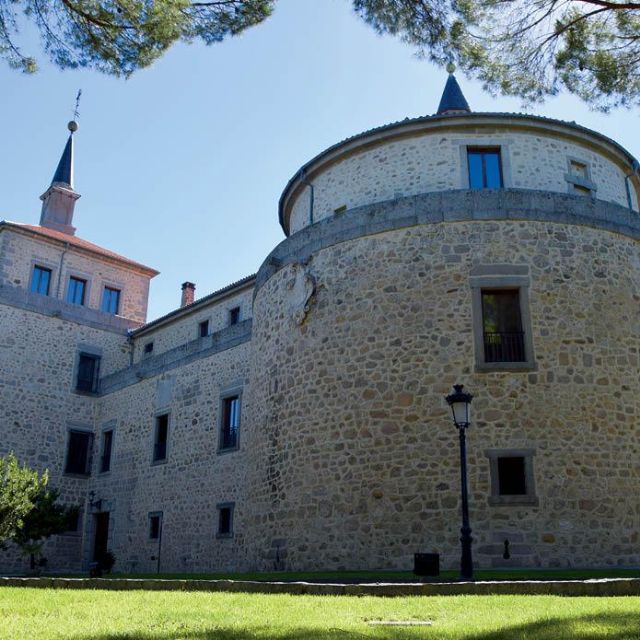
{"x":463,"y":205}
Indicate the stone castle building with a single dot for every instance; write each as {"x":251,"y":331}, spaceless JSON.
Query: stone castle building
{"x":296,"y":418}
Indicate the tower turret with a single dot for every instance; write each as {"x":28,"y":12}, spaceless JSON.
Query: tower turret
{"x":453,"y":100}
{"x":59,"y":200}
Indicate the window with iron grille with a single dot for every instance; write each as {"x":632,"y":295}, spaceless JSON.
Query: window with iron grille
{"x":502,"y":326}
{"x":88,"y":372}
{"x":230,"y":423}
{"x":41,"y":280}
{"x":161,"y":436}
{"x":79,"y":446}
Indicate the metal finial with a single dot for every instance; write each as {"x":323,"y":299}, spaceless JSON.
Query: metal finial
{"x":73,"y":125}
{"x":451,"y":67}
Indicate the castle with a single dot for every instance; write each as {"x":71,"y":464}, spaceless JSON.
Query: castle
{"x":296,"y":418}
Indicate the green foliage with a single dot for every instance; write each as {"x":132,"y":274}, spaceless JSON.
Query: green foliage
{"x":46,"y":519}
{"x":19,"y":487}
{"x":120,"y":36}
{"x":525,"y":48}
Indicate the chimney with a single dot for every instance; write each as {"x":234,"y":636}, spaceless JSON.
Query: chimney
{"x":188,"y":293}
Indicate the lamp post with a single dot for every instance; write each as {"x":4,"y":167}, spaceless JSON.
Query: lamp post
{"x":460,"y":402}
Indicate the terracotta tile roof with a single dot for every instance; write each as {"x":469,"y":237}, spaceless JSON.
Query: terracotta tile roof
{"x":79,"y":243}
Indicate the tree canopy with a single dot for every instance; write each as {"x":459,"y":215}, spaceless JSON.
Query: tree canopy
{"x":526,"y":48}
{"x":19,"y":487}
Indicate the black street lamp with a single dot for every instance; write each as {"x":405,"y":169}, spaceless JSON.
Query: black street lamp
{"x":460,"y":402}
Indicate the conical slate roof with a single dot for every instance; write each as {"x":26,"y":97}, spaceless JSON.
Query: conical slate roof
{"x":453,"y":100}
{"x":64,"y":172}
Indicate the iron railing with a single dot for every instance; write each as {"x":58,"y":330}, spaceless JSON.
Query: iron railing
{"x":504,"y":347}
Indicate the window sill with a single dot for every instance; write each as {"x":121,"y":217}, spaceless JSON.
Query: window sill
{"x":228,"y":450}
{"x":80,"y":392}
{"x":514,"y":501}
{"x":506,"y":366}
{"x":224,"y":536}
{"x":156,"y":463}
{"x":82,"y":476}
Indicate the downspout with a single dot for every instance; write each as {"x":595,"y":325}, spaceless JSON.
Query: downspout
{"x":305,"y":180}
{"x":131,"y":346}
{"x":66,"y":248}
{"x":635,"y":172}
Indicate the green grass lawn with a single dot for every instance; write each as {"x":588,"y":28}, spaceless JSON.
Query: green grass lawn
{"x":404,"y":576}
{"x":35,"y":614}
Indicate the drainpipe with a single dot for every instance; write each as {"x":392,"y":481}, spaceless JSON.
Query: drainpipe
{"x":305,"y":180}
{"x":635,"y":172}
{"x":131,"y":345}
{"x":64,"y":252}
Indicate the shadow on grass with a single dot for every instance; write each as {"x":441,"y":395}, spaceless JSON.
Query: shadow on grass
{"x":609,"y":626}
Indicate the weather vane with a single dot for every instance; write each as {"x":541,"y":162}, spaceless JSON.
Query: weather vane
{"x":73,"y":125}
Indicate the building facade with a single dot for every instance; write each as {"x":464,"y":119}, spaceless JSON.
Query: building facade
{"x":296,"y":419}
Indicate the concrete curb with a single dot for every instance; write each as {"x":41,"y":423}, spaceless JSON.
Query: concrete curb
{"x":599,"y":587}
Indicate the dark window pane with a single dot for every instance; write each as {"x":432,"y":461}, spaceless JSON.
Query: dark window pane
{"x":75,"y":293}
{"x":87,"y":373}
{"x":493,"y":179}
{"x":78,"y":452}
{"x":230,"y":422}
{"x":224,"y":521}
{"x":502,"y":326}
{"x":204,"y":329}
{"x":41,"y":280}
{"x":476,"y":178}
{"x":234,"y":315}
{"x":107,"y":442}
{"x":154,"y":527}
{"x":160,"y":443}
{"x":511,"y":476}
{"x":148,"y":348}
{"x":110,"y":300}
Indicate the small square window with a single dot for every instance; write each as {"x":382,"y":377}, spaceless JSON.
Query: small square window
{"x":79,"y":447}
{"x":512,"y":477}
{"x":148,"y":348}
{"x":88,"y":373}
{"x":155,"y":525}
{"x":579,"y":169}
{"x":105,"y":454}
{"x":203,"y":329}
{"x":234,"y":315}
{"x":41,"y":280}
{"x":110,"y":300}
{"x":225,"y":520}
{"x":161,"y":437}
{"x":485,"y":168}
{"x":230,"y":423}
{"x":76,"y":291}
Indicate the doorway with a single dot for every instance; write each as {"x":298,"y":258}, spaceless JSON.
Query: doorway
{"x":101,"y":539}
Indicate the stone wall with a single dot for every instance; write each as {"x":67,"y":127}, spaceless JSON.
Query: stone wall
{"x":38,"y":355}
{"x":19,"y":253}
{"x":436,"y":161}
{"x":354,"y":460}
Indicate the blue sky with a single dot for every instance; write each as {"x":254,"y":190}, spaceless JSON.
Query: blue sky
{"x":181,"y":166}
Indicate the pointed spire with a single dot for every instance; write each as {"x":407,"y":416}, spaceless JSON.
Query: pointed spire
{"x":59,"y":200}
{"x":453,"y":100}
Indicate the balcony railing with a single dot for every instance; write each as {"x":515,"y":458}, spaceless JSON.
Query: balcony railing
{"x":504,"y":347}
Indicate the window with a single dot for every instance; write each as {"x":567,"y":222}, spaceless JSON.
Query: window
{"x":225,"y":520}
{"x":111,"y":300}
{"x":579,"y":178}
{"x":485,"y":168}
{"x":234,"y":315}
{"x":160,"y":438}
{"x":105,"y":456}
{"x":230,"y":422}
{"x":502,"y":333}
{"x":88,"y":370}
{"x":203,"y":329}
{"x":79,"y":452}
{"x":148,"y":348}
{"x":76,"y":290}
{"x":502,"y":326}
{"x":41,"y":280}
{"x":74,"y":521}
{"x":512,"y":477}
{"x":155,"y":525}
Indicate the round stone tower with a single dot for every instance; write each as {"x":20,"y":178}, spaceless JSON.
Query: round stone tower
{"x":498,"y":251}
